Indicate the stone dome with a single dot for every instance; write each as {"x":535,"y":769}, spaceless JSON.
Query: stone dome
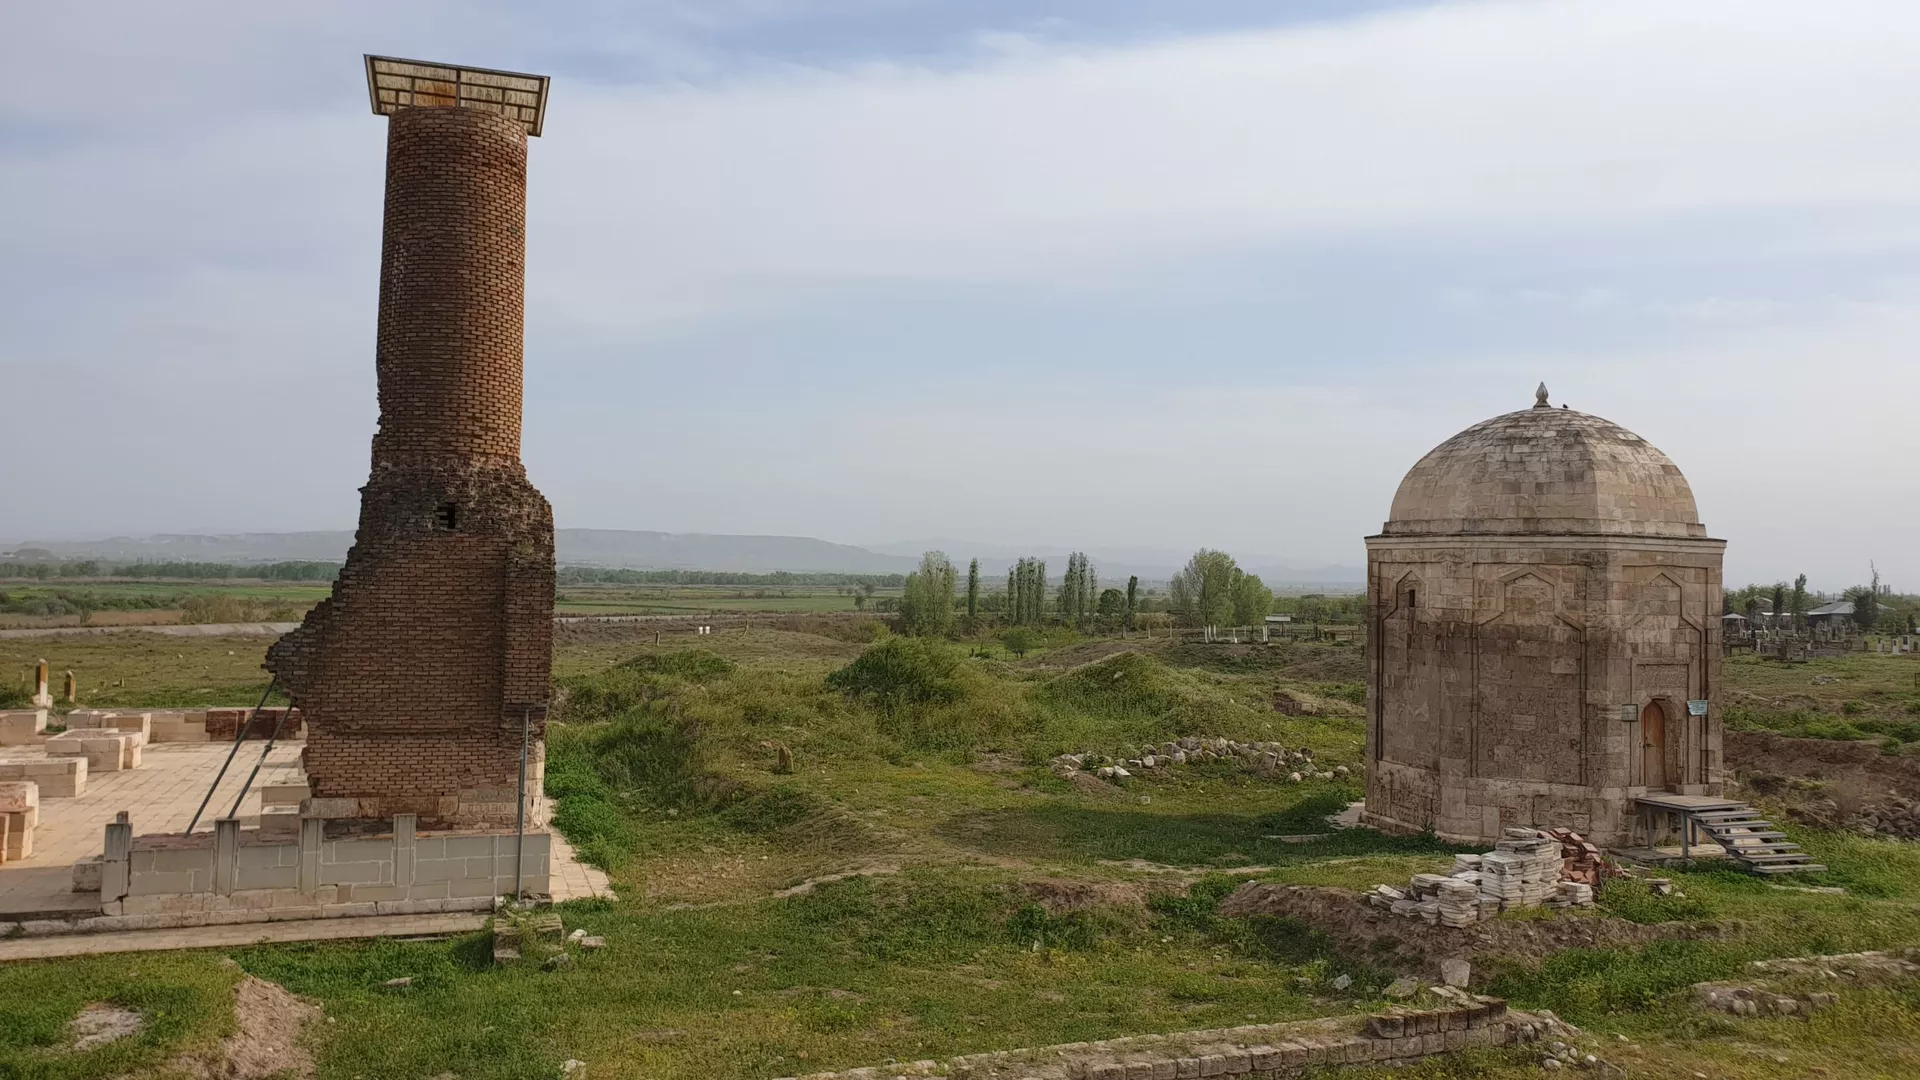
{"x":1545,"y":471}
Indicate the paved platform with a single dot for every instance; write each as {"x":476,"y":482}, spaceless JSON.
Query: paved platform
{"x":161,"y":796}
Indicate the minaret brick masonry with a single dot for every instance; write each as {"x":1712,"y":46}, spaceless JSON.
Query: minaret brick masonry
{"x":416,"y":675}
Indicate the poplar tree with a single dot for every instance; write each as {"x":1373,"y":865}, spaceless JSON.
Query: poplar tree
{"x":1133,"y":594}
{"x":973,"y":595}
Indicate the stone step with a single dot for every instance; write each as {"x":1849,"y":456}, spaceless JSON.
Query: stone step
{"x":1790,"y":868}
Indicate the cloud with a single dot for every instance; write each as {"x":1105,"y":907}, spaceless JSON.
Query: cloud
{"x":1060,"y":162}
{"x":1264,"y":269}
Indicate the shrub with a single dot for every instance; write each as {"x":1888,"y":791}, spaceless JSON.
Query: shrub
{"x":1018,"y":640}
{"x":902,"y":671}
{"x":693,"y":665}
{"x":637,"y":681}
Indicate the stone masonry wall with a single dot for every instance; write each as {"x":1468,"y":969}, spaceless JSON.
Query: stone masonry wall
{"x":415,"y":675}
{"x":1498,"y":667}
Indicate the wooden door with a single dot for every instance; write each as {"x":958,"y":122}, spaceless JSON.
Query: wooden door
{"x":1653,"y":746}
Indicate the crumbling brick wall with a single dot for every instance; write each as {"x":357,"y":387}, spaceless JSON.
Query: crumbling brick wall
{"x":416,"y":675}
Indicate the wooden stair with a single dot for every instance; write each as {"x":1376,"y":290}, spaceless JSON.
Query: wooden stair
{"x":1742,"y":832}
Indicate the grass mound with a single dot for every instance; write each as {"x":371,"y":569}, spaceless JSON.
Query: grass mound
{"x":693,"y":665}
{"x":635,"y":681}
{"x":1130,"y":683}
{"x":901,"y":672}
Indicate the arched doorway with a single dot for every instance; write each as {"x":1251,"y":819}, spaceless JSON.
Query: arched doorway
{"x":1653,"y":746}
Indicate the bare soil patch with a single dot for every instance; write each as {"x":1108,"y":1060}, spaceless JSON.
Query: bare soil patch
{"x":1061,"y":895}
{"x":1086,"y":652}
{"x":1411,"y":944}
{"x":99,"y":1024}
{"x":266,"y":1044}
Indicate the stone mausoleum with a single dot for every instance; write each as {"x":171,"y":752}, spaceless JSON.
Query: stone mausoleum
{"x":422,"y":674}
{"x":1545,"y":640}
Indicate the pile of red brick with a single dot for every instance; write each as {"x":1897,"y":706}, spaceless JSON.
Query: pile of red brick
{"x":222,"y":723}
{"x":1579,"y":860}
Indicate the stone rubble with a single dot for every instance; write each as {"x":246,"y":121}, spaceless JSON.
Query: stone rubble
{"x":1527,"y":869}
{"x":1266,"y":758}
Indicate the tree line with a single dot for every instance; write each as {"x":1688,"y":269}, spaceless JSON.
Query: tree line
{"x":193,"y":571}
{"x":1211,"y":590}
{"x":595,"y":575}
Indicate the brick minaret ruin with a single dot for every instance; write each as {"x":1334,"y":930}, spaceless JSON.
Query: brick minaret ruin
{"x":417,"y":674}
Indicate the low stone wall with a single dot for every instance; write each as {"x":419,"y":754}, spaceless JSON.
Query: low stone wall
{"x":1399,"y":1036}
{"x":395,"y":869}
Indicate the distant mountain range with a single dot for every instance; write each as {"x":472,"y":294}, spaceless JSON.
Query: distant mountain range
{"x":638,"y":550}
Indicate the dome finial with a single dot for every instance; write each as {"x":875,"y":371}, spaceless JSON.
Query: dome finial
{"x":1540,"y":397}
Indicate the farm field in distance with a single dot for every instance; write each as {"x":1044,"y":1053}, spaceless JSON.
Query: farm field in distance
{"x":147,"y":603}
{"x":919,"y":885}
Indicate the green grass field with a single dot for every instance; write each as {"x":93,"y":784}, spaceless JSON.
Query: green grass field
{"x":919,"y":885}
{"x":697,"y":599}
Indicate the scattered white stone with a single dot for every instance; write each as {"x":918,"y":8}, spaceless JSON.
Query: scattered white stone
{"x":1456,"y":972}
{"x":571,"y":1066}
{"x":1343,"y":982}
{"x":576,"y":935}
{"x":594,"y":942}
{"x":402,"y":981}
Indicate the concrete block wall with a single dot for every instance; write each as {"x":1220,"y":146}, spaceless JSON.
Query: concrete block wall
{"x":232,"y":869}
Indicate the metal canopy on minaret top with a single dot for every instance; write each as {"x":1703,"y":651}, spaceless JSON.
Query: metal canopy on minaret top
{"x":394,"y":84}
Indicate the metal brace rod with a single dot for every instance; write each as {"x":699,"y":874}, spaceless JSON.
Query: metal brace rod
{"x":239,"y":734}
{"x":268,"y":749}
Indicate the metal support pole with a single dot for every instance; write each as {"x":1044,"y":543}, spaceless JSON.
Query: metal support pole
{"x":239,"y":734}
{"x":520,"y":839}
{"x":268,"y":749}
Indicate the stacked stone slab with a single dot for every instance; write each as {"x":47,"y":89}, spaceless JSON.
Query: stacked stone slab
{"x":416,"y":676}
{"x":1541,"y":574}
{"x":1524,"y":870}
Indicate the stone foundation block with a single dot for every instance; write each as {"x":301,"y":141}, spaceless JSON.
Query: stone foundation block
{"x":86,"y":875}
{"x":59,"y":778}
{"x":19,"y":796}
{"x":130,"y":723}
{"x":19,"y":837}
{"x":283,"y":795}
{"x":22,"y":727}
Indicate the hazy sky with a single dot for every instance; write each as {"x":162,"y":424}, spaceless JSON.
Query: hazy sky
{"x":1072,"y":273}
